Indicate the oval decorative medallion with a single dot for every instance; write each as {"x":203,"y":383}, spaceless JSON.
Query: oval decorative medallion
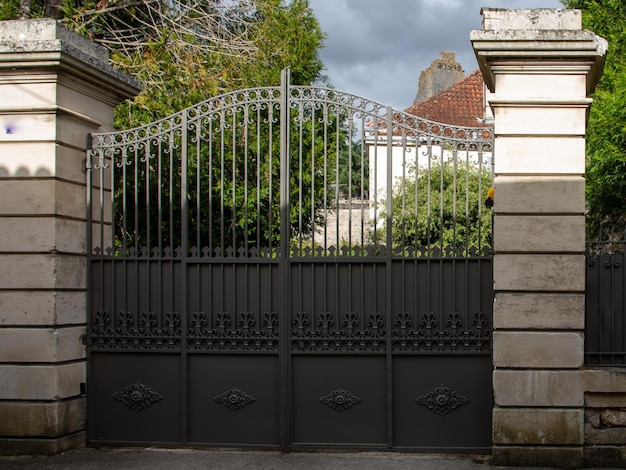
{"x":234,"y":399}
{"x":442,"y":400}
{"x":137,"y":397}
{"x":340,"y":400}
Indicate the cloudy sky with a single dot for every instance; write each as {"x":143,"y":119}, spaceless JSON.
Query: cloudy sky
{"x":377,"y":48}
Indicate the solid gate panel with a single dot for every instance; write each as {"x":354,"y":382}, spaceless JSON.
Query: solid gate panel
{"x":233,"y":400}
{"x":442,"y":401}
{"x":339,"y":400}
{"x":134,"y":398}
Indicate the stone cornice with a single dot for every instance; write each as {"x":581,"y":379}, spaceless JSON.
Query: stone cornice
{"x":542,"y":51}
{"x":59,"y":50}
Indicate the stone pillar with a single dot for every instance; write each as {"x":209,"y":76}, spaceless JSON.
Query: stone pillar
{"x":55,"y":88}
{"x":540,"y":67}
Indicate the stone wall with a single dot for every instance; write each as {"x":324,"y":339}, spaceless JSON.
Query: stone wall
{"x":605,"y":418}
{"x":55,"y":88}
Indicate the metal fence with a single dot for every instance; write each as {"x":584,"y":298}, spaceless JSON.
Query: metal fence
{"x":605,"y":325}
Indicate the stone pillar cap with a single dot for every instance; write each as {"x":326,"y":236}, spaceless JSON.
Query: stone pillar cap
{"x":44,"y":43}
{"x":547,"y":39}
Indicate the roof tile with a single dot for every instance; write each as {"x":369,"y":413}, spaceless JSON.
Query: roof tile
{"x":461,"y":104}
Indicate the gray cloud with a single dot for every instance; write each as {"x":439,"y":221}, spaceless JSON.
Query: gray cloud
{"x":377,"y":49}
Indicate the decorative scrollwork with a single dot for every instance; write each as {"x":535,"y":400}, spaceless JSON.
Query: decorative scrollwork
{"x":225,"y":331}
{"x":431,"y":332}
{"x":340,"y":400}
{"x":234,"y":399}
{"x":137,"y":397}
{"x":328,"y":331}
{"x":442,"y":400}
{"x":127,"y":330}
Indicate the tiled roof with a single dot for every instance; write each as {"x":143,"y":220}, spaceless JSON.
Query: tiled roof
{"x":459,"y":105}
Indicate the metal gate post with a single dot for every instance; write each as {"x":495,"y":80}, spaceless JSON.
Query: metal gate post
{"x":284,"y":263}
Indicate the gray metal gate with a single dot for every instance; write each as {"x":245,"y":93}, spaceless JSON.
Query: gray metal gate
{"x":262,"y":273}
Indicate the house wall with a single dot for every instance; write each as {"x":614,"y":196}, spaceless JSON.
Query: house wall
{"x":541,"y":68}
{"x":406,"y":159}
{"x":55,"y":88}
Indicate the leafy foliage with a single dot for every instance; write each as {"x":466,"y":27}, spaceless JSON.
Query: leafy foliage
{"x":606,"y":132}
{"x":440,"y":209}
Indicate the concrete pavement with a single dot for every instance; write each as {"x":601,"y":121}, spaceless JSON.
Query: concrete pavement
{"x":195,"y":459}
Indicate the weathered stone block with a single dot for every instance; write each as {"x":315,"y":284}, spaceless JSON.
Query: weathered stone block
{"x":534,"y":456}
{"x":46,"y":196}
{"x":499,"y":18}
{"x":97,"y":111}
{"x":605,"y":400}
{"x":27,"y":95}
{"x":596,"y":456}
{"x":606,"y":436}
{"x":41,"y":446}
{"x":539,"y":272}
{"x":517,"y":388}
{"x":538,"y":349}
{"x":43,"y":271}
{"x":613,"y":417}
{"x":540,"y":155}
{"x":42,"y":419}
{"x":39,"y":382}
{"x":42,"y":234}
{"x":41,"y":160}
{"x":539,"y":194}
{"x":537,"y":426}
{"x":541,"y":119}
{"x":28,"y":127}
{"x":42,"y":308}
{"x":604,"y":381}
{"x":539,"y":234}
{"x":540,"y":86}
{"x":41,"y":345}
{"x":536,"y":310}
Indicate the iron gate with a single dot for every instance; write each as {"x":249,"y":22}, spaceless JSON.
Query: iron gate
{"x":290,"y":267}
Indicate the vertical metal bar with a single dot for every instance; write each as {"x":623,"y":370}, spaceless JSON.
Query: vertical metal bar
{"x":349,"y":190}
{"x":101,"y":200}
{"x":389,"y":279}
{"x":222,"y":176}
{"x":147,"y":179}
{"x":325,"y":163}
{"x":171,"y":193}
{"x":210,"y":184}
{"x":89,"y":245}
{"x":245,"y":180}
{"x":313,"y":173}
{"x":159,"y":151}
{"x":234,"y":183}
{"x":270,"y":198}
{"x":454,"y":194}
{"x":183,"y":275}
{"x":258,"y":179}
{"x":300,"y":178}
{"x":429,"y":150}
{"x":362,"y":193}
{"x":337,"y":150}
{"x":285,"y":275}
{"x":199,"y":222}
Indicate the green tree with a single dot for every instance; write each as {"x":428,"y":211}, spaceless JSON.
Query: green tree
{"x":439,"y":210}
{"x":606,"y":132}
